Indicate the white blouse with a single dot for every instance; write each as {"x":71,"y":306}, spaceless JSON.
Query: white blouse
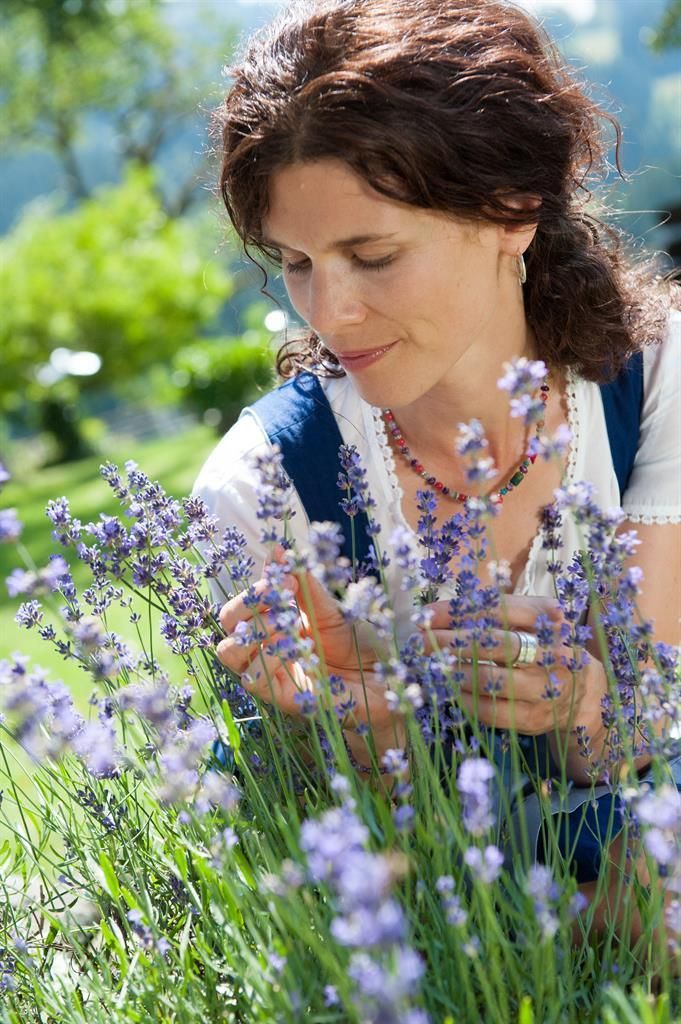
{"x":227,"y":480}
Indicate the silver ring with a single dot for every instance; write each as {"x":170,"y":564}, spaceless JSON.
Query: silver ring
{"x":529,"y":646}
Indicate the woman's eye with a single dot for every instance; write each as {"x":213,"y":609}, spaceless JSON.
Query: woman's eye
{"x":302,"y":266}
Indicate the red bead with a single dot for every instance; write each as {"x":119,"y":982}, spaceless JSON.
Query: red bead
{"x":544,"y":397}
{"x":439,"y":486}
{"x":389,"y":416}
{"x":418,"y":467}
{"x":532,"y":457}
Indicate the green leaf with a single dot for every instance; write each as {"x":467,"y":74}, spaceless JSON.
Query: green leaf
{"x":526,"y":1014}
{"x":232,"y":730}
{"x":110,"y":880}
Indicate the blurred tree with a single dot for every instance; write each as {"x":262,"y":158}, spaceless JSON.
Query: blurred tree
{"x":668,"y":31}
{"x":63,"y":62}
{"x":116,"y":277}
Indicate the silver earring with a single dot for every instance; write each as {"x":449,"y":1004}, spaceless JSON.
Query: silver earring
{"x":521,"y":268}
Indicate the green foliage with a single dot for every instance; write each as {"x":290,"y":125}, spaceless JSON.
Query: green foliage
{"x":225,"y":374}
{"x":61,"y":63}
{"x":60,"y":19}
{"x":668,"y":32}
{"x":116,"y":276}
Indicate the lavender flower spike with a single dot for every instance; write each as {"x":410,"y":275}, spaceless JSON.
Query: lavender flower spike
{"x":473,"y":785}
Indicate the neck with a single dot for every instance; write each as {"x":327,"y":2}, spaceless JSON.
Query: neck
{"x":430,"y":424}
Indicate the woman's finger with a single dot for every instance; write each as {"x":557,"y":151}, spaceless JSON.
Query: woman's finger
{"x":237,"y":656}
{"x":522,"y":684}
{"x":529,"y":719}
{"x":274,"y":681}
{"x":505,"y":650}
{"x":518,"y":612}
{"x":240,"y":609}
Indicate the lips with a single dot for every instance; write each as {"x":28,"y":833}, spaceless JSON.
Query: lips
{"x":363,"y":357}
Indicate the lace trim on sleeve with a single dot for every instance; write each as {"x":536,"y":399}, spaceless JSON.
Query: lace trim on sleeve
{"x":652,"y":518}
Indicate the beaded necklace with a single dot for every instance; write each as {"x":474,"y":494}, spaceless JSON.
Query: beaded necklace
{"x":496,"y":497}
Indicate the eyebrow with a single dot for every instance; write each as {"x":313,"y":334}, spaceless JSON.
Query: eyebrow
{"x":341,"y":243}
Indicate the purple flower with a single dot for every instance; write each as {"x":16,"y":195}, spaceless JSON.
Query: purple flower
{"x":365,"y":601}
{"x":403,"y":818}
{"x":21,"y":581}
{"x":500,"y":573}
{"x":307,"y":702}
{"x":545,"y":894}
{"x":323,"y":555}
{"x":353,"y":479}
{"x":217,"y":791}
{"x":96,"y":746}
{"x":29,"y":614}
{"x":522,"y":375}
{"x":89,"y":634}
{"x":470,"y":444}
{"x":5,"y":474}
{"x":369,"y":920}
{"x":10,"y":525}
{"x":145,"y":935}
{"x":331,"y":997}
{"x":395,"y":761}
{"x":273,"y":492}
{"x":370,"y":926}
{"x":660,"y":810}
{"x":485,"y":864}
{"x":472,"y":782}
{"x":451,"y":903}
{"x":67,"y":530}
{"x":554,"y":447}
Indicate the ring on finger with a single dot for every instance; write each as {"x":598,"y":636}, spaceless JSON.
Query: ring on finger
{"x":527,"y":653}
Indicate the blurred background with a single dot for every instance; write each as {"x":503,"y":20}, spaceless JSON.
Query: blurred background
{"x":131,"y":327}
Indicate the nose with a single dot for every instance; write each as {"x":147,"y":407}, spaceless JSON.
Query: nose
{"x":332,"y":302}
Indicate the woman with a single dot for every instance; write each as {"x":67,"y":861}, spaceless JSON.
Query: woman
{"x":419,"y":171}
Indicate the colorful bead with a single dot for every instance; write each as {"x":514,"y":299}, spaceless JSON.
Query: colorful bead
{"x":497,"y":497}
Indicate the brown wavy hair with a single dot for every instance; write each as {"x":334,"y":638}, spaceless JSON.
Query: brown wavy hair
{"x":450,"y":106}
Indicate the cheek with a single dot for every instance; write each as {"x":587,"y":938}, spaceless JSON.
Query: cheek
{"x":297,"y":296}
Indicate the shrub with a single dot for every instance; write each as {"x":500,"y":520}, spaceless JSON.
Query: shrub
{"x":222,"y":375}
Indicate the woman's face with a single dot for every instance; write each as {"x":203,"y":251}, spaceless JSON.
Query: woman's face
{"x":415,"y":289}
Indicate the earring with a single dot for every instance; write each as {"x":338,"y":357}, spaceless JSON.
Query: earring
{"x":521,"y":269}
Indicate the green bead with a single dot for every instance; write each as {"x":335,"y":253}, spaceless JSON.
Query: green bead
{"x":517,"y":478}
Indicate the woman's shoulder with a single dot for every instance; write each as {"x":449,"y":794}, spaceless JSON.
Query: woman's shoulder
{"x":654,"y":491}
{"x":233,"y":456}
{"x":230,"y":467}
{"x":662,"y":368}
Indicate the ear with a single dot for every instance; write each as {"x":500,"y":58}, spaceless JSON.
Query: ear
{"x":515,"y":239}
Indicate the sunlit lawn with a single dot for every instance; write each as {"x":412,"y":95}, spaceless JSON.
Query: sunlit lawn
{"x":174,"y":461}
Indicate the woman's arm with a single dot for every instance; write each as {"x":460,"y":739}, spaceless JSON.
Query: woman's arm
{"x":659,"y":557}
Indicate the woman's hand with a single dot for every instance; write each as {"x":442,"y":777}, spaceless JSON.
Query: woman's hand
{"x":533,"y":699}
{"x":281,"y":682}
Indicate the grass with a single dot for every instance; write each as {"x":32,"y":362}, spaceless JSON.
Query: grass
{"x":174,"y":461}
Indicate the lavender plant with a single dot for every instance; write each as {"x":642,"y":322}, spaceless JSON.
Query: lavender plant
{"x":182,"y":850}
